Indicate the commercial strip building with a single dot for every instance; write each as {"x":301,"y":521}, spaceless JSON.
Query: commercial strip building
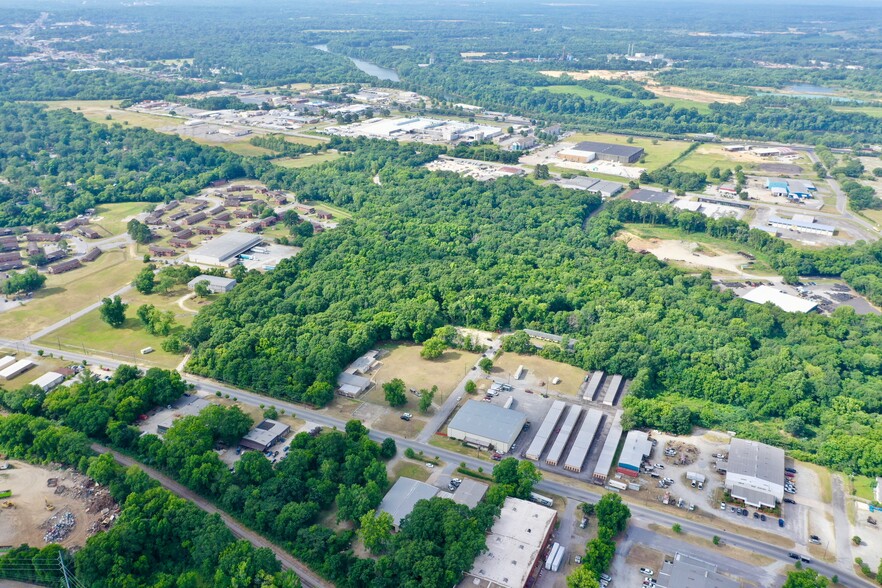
{"x":222,"y":251}
{"x":515,"y":547}
{"x":755,"y":473}
{"x":637,"y":446}
{"x":588,"y":151}
{"x":48,"y":381}
{"x":264,"y":435}
{"x":403,"y":496}
{"x":802,"y":223}
{"x":485,"y":425}
{"x":216,"y":284}
{"x":685,"y":571}
{"x":786,"y":302}
{"x":647,"y":196}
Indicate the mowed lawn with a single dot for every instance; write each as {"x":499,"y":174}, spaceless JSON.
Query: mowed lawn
{"x":596,"y":95}
{"x":90,"y":334}
{"x":98,"y":111}
{"x":657,"y":155}
{"x":306,"y":160}
{"x":112,"y":218}
{"x":404,"y":361}
{"x":67,"y":293}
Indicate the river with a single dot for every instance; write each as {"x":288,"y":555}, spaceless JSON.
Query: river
{"x":372,"y":69}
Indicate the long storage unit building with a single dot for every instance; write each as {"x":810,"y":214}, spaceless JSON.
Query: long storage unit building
{"x":608,"y":453}
{"x":17,"y":368}
{"x":545,"y":430}
{"x":615,"y":384}
{"x":593,"y":386}
{"x":584,"y":440}
{"x":563,"y":436}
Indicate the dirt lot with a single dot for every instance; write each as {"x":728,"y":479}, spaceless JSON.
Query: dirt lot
{"x":647,"y":80}
{"x":30,"y":494}
{"x":538,"y":370}
{"x":692,"y":254}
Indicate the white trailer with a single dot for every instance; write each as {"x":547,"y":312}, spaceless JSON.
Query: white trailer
{"x":551,"y":555}
{"x":558,"y":559}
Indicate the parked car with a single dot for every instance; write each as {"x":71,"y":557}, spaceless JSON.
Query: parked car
{"x":780,"y":522}
{"x":496,"y":457}
{"x":805,"y":559}
{"x":756,"y":515}
{"x":792,"y":555}
{"x":815,"y":539}
{"x":789,"y":501}
{"x":647,"y":571}
{"x":660,"y":466}
{"x":406,"y":416}
{"x":791,"y":470}
{"x":762,"y":517}
{"x":583,"y":523}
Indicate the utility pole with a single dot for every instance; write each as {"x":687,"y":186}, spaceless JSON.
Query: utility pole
{"x":64,"y":570}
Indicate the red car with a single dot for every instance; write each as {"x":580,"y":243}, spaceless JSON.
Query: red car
{"x":497,"y":457}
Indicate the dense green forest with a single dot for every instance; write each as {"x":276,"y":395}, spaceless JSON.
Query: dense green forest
{"x":59,"y":81}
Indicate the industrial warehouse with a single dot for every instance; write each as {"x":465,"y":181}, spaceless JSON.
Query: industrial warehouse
{"x":223,"y":251}
{"x":755,"y":473}
{"x":588,"y":151}
{"x":485,"y":425}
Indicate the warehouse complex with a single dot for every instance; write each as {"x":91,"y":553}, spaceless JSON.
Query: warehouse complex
{"x":588,"y":151}
{"x":515,"y":546}
{"x":223,"y":251}
{"x":755,"y":473}
{"x":485,"y":425}
{"x":403,"y":496}
{"x":216,"y":284}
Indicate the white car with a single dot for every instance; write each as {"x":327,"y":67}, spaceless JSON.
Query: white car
{"x":646,"y":571}
{"x":430,"y":465}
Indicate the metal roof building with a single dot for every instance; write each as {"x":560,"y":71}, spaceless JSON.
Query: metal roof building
{"x":352,"y":384}
{"x":786,"y":302}
{"x":16,"y":368}
{"x":7,"y":360}
{"x":470,"y":492}
{"x":223,"y":250}
{"x":48,"y":381}
{"x":801,"y":225}
{"x":192,"y":408}
{"x":584,"y":440}
{"x":264,"y":435}
{"x":637,"y":446}
{"x":484,"y":424}
{"x":403,"y":496}
{"x":611,"y":151}
{"x":755,"y":472}
{"x":593,"y":386}
{"x":515,"y":546}
{"x":545,"y":430}
{"x":686,"y":571}
{"x":612,"y":392}
{"x":647,"y":196}
{"x":608,"y":453}
{"x":216,"y":284}
{"x":563,"y":436}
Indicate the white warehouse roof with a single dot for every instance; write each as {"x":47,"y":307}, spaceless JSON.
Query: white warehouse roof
{"x":219,"y":251}
{"x":786,"y":302}
{"x":482,"y":419}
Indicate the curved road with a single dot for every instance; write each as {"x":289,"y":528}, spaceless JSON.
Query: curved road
{"x":307,"y":577}
{"x":583,"y":491}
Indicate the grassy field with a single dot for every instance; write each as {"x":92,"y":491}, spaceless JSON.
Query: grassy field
{"x":90,"y":333}
{"x":113,"y":217}
{"x":98,"y":111}
{"x":586,"y":93}
{"x":404,"y":361}
{"x":409,"y":469}
{"x":875,"y":111}
{"x":306,"y":160}
{"x":338,"y":212}
{"x":67,"y":293}
{"x":657,"y":155}
{"x":863,"y":487}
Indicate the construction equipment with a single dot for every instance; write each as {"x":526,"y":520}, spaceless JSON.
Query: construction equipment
{"x":49,"y":506}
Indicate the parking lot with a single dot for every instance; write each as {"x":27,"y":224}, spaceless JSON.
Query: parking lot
{"x":478,"y":170}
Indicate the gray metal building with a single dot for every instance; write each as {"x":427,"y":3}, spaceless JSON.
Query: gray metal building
{"x":486,"y":425}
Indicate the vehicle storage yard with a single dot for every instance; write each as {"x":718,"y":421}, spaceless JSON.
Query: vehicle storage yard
{"x":51,"y":506}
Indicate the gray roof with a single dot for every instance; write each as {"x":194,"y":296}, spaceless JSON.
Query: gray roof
{"x":752,"y":496}
{"x":650,"y":196}
{"x":217,"y":281}
{"x":227,"y":246}
{"x":690,"y":572}
{"x":752,"y":458}
{"x":584,"y":440}
{"x":267,"y":432}
{"x":487,"y":420}
{"x":800,"y":224}
{"x":470,"y":492}
{"x":549,"y":423}
{"x":637,"y":446}
{"x":609,"y":148}
{"x":608,"y":453}
{"x":347,"y":379}
{"x":403,"y":496}
{"x":563,"y":437}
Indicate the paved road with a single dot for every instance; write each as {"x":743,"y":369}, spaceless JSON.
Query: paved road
{"x":579,"y":491}
{"x":307,"y":577}
{"x":841,"y":527}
